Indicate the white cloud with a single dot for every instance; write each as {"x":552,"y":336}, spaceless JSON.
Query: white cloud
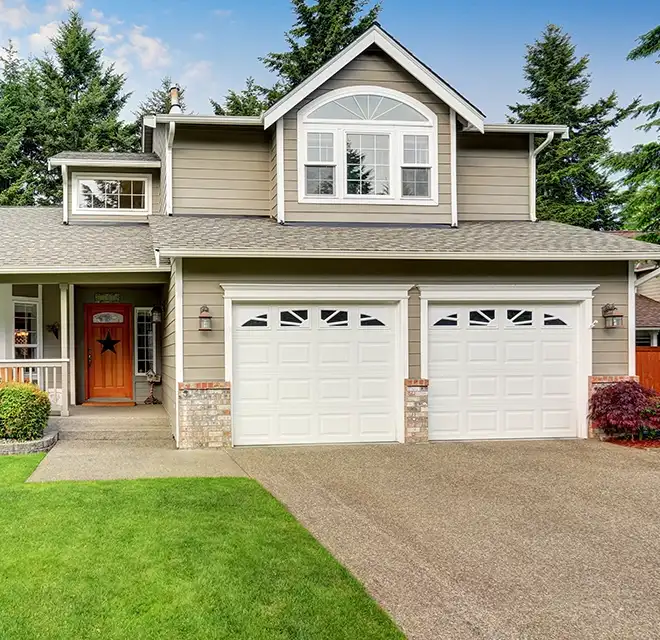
{"x":15,"y":16}
{"x":41,"y":39}
{"x":59,"y":6}
{"x":104,"y":32}
{"x":223,"y":13}
{"x":151,"y":52}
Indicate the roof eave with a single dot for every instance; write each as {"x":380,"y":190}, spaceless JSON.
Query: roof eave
{"x":174,"y":252}
{"x":541,"y":129}
{"x":129,"y":164}
{"x":376,"y":35}
{"x":241,"y":121}
{"x":9,"y":270}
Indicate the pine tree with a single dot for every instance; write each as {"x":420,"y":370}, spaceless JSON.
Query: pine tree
{"x":82,"y":99}
{"x":572,"y":186}
{"x":640,"y":167}
{"x":158,"y":101}
{"x":20,"y":126}
{"x":321,"y":30}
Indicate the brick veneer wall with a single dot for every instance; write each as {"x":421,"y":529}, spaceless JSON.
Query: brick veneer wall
{"x":204,"y":415}
{"x":416,"y":408}
{"x":595,"y":382}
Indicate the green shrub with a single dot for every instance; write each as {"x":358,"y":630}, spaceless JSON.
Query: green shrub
{"x":24,"y":411}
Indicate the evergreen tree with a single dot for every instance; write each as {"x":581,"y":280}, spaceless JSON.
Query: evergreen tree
{"x":158,"y":101}
{"x":640,"y":167}
{"x":572,"y":186}
{"x":82,"y":100}
{"x":321,"y":30}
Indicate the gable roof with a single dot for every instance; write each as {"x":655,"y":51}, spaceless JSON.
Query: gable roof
{"x":251,"y":236}
{"x":376,"y":35}
{"x":104,"y":159}
{"x":34,"y":240}
{"x":647,"y":312}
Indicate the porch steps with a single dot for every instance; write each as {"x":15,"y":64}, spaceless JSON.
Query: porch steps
{"x":117,"y":425}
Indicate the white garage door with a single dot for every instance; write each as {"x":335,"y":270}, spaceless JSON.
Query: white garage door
{"x":322,"y":373}
{"x":502,"y":371}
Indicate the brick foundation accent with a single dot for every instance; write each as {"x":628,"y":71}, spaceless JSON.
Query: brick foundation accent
{"x":416,"y":411}
{"x":596,"y":382}
{"x":204,"y":415}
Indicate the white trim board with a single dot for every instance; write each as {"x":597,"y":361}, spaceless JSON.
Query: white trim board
{"x":580,"y":294}
{"x":177,"y":267}
{"x":319,"y":293}
{"x":376,"y":36}
{"x":632,"y":320}
{"x":279,"y":168}
{"x":75,"y":193}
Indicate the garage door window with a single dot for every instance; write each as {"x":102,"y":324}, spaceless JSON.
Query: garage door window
{"x":551,"y":320}
{"x":334,"y":318}
{"x":367,"y":320}
{"x":519,"y":317}
{"x":260,"y":320}
{"x":294,"y":318}
{"x":482,"y":318}
{"x":447,"y":320}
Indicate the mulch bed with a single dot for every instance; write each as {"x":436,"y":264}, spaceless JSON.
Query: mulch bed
{"x":637,"y":444}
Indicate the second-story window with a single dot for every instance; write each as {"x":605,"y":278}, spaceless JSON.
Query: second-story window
{"x":367,"y":144}
{"x":130,"y":194}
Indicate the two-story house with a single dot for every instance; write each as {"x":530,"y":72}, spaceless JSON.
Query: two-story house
{"x":362,"y":263}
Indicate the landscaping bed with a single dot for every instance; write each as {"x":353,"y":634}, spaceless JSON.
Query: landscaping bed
{"x":168,"y":558}
{"x":24,"y":411}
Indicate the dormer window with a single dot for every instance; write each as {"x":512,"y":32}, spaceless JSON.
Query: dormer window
{"x":367,"y":144}
{"x":126,"y":194}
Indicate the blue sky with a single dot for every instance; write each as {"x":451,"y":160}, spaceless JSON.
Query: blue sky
{"x":476,"y":45}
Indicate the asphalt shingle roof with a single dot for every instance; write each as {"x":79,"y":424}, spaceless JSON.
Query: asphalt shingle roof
{"x":647,"y":312}
{"x":34,"y":239}
{"x":233,"y":235}
{"x":110,"y":156}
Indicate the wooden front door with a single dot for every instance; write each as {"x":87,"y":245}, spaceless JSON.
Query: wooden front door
{"x":648,"y":367}
{"x":109,"y":351}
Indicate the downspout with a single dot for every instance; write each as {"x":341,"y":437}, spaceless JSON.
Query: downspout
{"x":65,"y":195}
{"x":532,"y":170}
{"x":168,"y":169}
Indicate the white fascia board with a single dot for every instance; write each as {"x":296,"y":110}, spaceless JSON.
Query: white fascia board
{"x":172,"y":252}
{"x":541,"y":129}
{"x":149,"y":121}
{"x":72,"y":269}
{"x":375,"y":35}
{"x":506,"y":292}
{"x":134,"y":164}
{"x":249,"y":121}
{"x":297,"y":292}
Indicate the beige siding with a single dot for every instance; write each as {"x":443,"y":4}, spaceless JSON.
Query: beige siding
{"x":651,"y":289}
{"x":221,"y":170}
{"x":160,"y":147}
{"x":204,"y":353}
{"x":370,"y":68}
{"x":414,"y":333}
{"x":168,"y":352}
{"x":273,"y":176}
{"x":155,"y":193}
{"x":492,"y":176}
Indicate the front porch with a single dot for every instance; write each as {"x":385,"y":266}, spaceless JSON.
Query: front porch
{"x":92,"y":341}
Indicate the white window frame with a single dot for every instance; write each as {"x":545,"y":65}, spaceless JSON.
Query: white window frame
{"x":394,"y":129}
{"x":77,"y":177}
{"x":136,"y":312}
{"x":40,"y":333}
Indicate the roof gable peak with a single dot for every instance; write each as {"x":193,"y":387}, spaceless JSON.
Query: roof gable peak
{"x":377,"y":36}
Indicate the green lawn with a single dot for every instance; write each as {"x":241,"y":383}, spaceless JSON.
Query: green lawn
{"x":174,"y":558}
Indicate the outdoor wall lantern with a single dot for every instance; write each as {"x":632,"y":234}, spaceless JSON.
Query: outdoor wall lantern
{"x":613,"y":319}
{"x":156,"y":314}
{"x":204,"y":318}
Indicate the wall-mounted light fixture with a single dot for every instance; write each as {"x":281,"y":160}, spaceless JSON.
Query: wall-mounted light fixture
{"x":613,"y":319}
{"x":205,"y":318}
{"x":156,"y":314}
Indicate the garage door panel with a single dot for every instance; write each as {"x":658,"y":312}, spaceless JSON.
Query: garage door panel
{"x":512,"y":377}
{"x":326,"y":375}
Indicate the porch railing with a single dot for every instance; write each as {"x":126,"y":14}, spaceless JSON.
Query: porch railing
{"x":51,"y":376}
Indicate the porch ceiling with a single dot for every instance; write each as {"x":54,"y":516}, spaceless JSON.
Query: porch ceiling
{"x":34,"y":240}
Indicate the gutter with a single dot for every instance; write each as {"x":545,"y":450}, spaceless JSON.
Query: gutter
{"x":172,"y":252}
{"x":244,"y":121}
{"x":533,"y":153}
{"x":131,"y":164}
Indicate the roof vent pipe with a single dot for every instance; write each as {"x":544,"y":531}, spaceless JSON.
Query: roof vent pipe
{"x":175,"y":105}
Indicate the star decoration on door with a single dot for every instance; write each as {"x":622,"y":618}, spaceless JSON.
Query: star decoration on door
{"x":108,"y":343}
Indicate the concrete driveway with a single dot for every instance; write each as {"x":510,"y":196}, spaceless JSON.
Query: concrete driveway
{"x":488,"y":540}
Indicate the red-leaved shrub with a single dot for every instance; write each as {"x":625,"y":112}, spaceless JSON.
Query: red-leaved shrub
{"x":622,"y":407}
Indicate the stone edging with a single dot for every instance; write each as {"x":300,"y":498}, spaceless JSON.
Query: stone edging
{"x":47,"y":442}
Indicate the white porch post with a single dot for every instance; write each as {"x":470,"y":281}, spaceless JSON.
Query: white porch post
{"x":64,"y":333}
{"x":6,"y":322}
{"x":72,"y":346}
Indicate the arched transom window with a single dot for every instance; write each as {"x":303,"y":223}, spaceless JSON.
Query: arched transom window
{"x":367,"y":144}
